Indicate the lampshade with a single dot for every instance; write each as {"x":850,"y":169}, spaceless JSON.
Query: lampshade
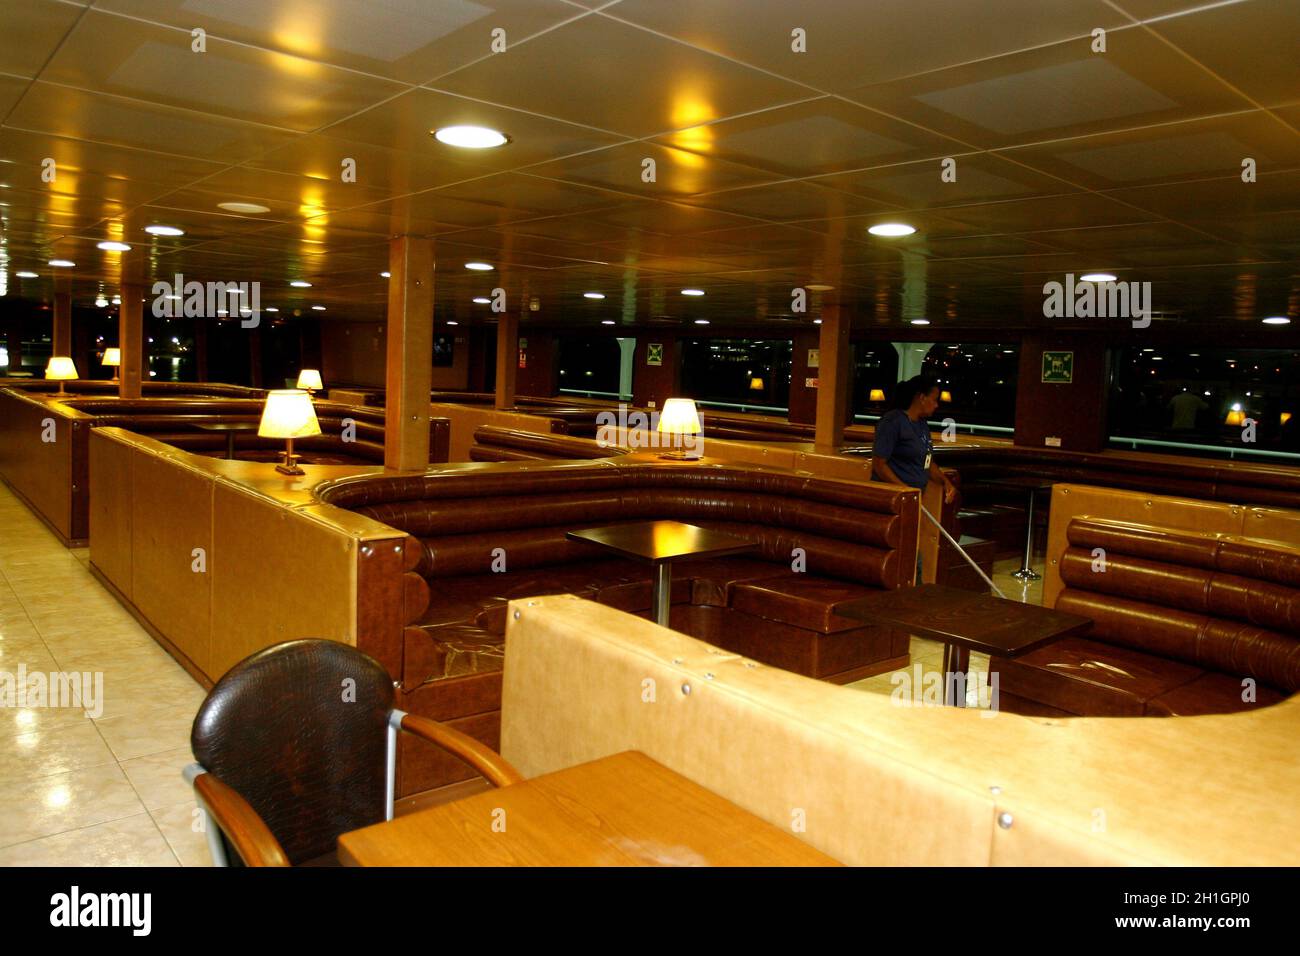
{"x":1286,"y":417}
{"x":945,"y":396}
{"x":756,"y":384}
{"x":309,"y":378}
{"x":679,"y":417}
{"x":112,"y":357}
{"x":61,"y":368}
{"x":288,"y":413}
{"x":877,"y":395}
{"x":1235,"y":416}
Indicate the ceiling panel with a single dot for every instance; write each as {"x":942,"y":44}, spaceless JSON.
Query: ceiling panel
{"x":31,"y":30}
{"x":412,"y":41}
{"x":612,"y":76}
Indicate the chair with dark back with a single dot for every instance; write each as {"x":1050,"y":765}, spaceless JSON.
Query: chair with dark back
{"x":297,"y":744}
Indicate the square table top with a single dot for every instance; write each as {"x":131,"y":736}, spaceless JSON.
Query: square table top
{"x":660,"y":541}
{"x":227,"y":426}
{"x":621,"y":810}
{"x":1023,"y":482}
{"x":970,"y":619}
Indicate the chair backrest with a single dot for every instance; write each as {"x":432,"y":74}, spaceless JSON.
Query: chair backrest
{"x":300,"y":731}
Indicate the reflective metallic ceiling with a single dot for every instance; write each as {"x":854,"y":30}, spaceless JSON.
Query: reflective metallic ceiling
{"x":770,"y":164}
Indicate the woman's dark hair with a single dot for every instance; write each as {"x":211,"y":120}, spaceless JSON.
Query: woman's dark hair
{"x":904,"y":392}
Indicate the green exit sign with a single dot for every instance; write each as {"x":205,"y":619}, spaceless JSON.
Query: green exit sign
{"x":1058,"y":368}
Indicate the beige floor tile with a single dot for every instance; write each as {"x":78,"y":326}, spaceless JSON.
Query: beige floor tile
{"x":162,"y":688}
{"x":49,"y":805}
{"x":157,"y":777}
{"x":27,"y":720}
{"x":58,"y":749}
{"x":139,"y":733}
{"x":180,"y":825}
{"x":31,"y":656}
{"x":131,"y":841}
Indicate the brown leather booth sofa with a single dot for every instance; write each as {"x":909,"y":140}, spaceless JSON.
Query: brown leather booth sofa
{"x":147,"y":389}
{"x":1182,"y":623}
{"x":52,"y":476}
{"x":492,"y":443}
{"x":484,"y":537}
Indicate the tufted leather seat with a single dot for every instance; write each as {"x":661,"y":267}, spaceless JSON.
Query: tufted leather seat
{"x":487,"y":537}
{"x":1182,"y":623}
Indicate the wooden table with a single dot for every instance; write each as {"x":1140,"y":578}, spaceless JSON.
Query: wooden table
{"x":1032,"y":485}
{"x":660,"y":543}
{"x":965,"y":621}
{"x":623,"y":810}
{"x":231,"y":429}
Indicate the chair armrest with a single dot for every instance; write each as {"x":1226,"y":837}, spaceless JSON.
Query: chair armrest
{"x":495,"y":768}
{"x":251,"y":838}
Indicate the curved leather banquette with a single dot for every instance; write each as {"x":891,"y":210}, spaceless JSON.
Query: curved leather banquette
{"x":488,"y":534}
{"x":1184,"y":623}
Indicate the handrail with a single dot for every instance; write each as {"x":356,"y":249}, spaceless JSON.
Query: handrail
{"x":970,"y":426}
{"x":1230,"y":450}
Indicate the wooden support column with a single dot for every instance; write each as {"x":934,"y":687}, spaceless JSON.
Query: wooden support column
{"x":15,"y":340}
{"x":410,"y":354}
{"x":201,"y":350}
{"x":131,"y":341}
{"x":62,"y":344}
{"x":507,"y":358}
{"x":834,"y":379}
{"x":255,"y":360}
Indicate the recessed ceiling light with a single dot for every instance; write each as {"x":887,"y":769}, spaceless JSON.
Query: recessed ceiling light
{"x":817,"y":321}
{"x":318,"y":308}
{"x":386,"y":275}
{"x":270,"y":308}
{"x":920,"y":321}
{"x":1277,"y":320}
{"x":27,"y":275}
{"x":1097,"y":277}
{"x":892,"y":229}
{"x":453,"y":322}
{"x":482,"y":300}
{"x":478,"y":266}
{"x":470,"y":137}
{"x":593,"y":295}
{"x":110,"y":246}
{"x":164,"y":231}
{"x":101,"y":302}
{"x":251,"y":208}
{"x":606,"y":321}
{"x":300,"y":284}
{"x":692,"y":292}
{"x":701,"y":321}
{"x":818,"y":287}
{"x":61,"y":263}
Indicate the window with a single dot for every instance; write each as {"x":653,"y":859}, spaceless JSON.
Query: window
{"x":1206,"y":401}
{"x":977,"y":381}
{"x":751,"y":374}
{"x":593,"y":366}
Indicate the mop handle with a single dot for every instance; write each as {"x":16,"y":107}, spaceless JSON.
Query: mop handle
{"x":962,"y":552}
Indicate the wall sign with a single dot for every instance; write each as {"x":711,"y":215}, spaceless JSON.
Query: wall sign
{"x":654,"y":353}
{"x":814,"y":358}
{"x":1058,"y":368}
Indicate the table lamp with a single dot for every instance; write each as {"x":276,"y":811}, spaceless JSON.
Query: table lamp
{"x":288,"y":414}
{"x":679,"y":417}
{"x":945,"y":396}
{"x":877,"y":395}
{"x":61,"y":369}
{"x":309,"y":381}
{"x":1235,"y":415}
{"x":756,"y":384}
{"x":113,"y":359}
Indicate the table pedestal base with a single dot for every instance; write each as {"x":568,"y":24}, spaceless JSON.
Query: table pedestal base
{"x":662,"y":598}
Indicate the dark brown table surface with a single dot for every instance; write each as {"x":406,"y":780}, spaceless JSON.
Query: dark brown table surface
{"x":1023,"y":482}
{"x":975,"y":621}
{"x":660,"y":541}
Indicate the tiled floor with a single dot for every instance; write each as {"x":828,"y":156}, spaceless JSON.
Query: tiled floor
{"x":102,"y":786}
{"x":98,"y":786}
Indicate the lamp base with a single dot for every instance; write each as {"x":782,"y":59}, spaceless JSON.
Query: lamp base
{"x":290,"y":465}
{"x":679,"y":456}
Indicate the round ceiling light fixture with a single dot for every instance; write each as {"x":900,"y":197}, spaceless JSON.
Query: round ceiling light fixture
{"x":920,"y":321}
{"x":1097,"y":277}
{"x":300,"y":284}
{"x":701,"y":321}
{"x":593,"y":295}
{"x":164,"y":231}
{"x":819,"y":287}
{"x":386,"y":275}
{"x":606,"y":321}
{"x":27,"y":275}
{"x":482,"y":300}
{"x":478,"y":266}
{"x":247,"y":208}
{"x":692,"y":292}
{"x":471,"y":137}
{"x":892,"y":229}
{"x":318,"y":308}
{"x":61,"y":263}
{"x":111,"y":246}
{"x":1277,"y":320}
